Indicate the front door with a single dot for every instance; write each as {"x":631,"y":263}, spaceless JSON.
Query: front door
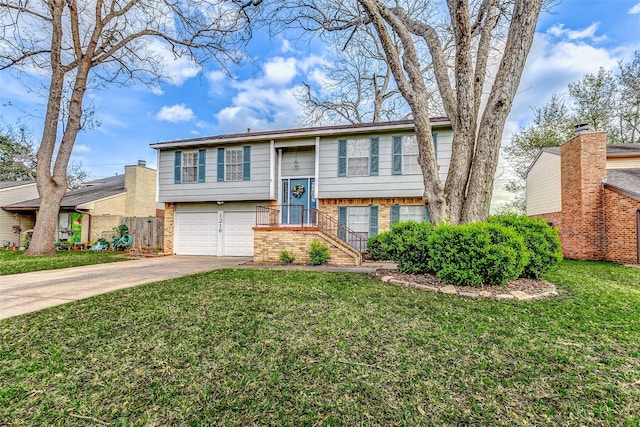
{"x":297,"y":199}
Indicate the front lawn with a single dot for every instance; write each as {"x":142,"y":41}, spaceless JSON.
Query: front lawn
{"x":245,"y":347}
{"x":14,"y":262}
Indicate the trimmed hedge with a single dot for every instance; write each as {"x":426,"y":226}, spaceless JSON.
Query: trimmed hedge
{"x":542,"y":241}
{"x":476,"y":254}
{"x":405,"y":244}
{"x":380,"y":246}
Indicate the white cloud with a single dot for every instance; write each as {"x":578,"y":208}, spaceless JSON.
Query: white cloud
{"x":81,"y":148}
{"x":635,"y":9}
{"x":175,"y":113}
{"x":587,"y":33}
{"x":176,"y":70}
{"x":269,"y":100}
{"x":551,"y":66}
{"x":286,"y":46}
{"x":279,"y":71}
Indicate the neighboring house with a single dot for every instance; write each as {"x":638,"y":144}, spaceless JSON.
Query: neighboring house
{"x":591,"y":191}
{"x":11,"y":192}
{"x":92,"y":211}
{"x":256,"y":193}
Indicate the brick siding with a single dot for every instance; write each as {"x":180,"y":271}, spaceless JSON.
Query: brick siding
{"x":269,"y":242}
{"x":583,"y":167}
{"x":621,"y":233}
{"x":169,"y":217}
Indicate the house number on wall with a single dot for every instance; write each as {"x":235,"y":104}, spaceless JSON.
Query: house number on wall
{"x":219,"y":222}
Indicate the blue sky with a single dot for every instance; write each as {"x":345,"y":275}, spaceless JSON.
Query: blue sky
{"x":576,"y":37}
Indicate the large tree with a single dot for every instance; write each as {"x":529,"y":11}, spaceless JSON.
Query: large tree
{"x":102,"y":42}
{"x":491,"y":40}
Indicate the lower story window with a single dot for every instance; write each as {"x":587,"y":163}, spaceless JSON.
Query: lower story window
{"x":412,"y":213}
{"x":358,"y":220}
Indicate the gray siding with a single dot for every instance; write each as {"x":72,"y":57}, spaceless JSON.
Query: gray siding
{"x":214,"y":207}
{"x":211,"y":190}
{"x":306,"y":163}
{"x":385,"y":184}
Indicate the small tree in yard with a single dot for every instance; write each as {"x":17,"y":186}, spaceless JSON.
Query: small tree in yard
{"x":101,"y":42}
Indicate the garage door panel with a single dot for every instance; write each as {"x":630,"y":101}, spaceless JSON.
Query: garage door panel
{"x":238,"y":233}
{"x":195,"y":233}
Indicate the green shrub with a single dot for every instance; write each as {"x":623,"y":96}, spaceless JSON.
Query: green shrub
{"x":408,"y":246}
{"x":286,"y":256}
{"x":380,"y":246}
{"x":542,"y":242}
{"x":476,"y":254}
{"x":319,"y":253}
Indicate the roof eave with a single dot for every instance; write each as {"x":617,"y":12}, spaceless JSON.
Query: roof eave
{"x":283,"y":134}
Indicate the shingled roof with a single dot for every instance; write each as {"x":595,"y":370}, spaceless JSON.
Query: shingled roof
{"x":89,"y":192}
{"x":11,"y":184}
{"x":625,"y":180}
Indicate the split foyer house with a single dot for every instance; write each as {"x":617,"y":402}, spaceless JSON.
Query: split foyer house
{"x":257,"y":193}
{"x":591,"y":191}
{"x":94,"y":209}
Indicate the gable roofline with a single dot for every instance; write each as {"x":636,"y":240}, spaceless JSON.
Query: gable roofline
{"x":630,"y":194}
{"x":296,"y":133}
{"x":90,"y":192}
{"x":7,"y":185}
{"x":614,"y":151}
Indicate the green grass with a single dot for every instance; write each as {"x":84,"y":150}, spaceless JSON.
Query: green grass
{"x":14,"y":262}
{"x":245,"y":347}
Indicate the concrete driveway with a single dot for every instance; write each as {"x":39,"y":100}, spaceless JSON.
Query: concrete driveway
{"x":27,"y":292}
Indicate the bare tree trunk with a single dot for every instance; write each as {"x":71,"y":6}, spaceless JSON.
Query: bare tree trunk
{"x":519,"y":40}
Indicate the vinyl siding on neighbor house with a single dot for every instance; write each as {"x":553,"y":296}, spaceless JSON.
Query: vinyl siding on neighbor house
{"x":9,"y":196}
{"x":623,"y":163}
{"x":256,"y":188}
{"x":385,"y":183}
{"x":543,"y":185}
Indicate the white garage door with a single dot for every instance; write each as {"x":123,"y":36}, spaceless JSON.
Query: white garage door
{"x":238,"y":233}
{"x":195,"y":233}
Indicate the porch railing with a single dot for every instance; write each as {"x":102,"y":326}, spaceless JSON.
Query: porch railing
{"x":298,"y":215}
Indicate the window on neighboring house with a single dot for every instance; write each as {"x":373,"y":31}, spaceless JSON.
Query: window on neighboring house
{"x":233,"y":164}
{"x":358,"y":157}
{"x":189,"y":166}
{"x":410,"y":155}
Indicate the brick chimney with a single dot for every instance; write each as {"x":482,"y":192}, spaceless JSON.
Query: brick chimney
{"x":583,"y":167}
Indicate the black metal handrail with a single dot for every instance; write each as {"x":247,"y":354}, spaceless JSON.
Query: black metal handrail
{"x":298,"y":215}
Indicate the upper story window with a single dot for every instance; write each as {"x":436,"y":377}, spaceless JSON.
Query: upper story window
{"x":189,"y":166}
{"x":234,"y":163}
{"x":358,"y":157}
{"x":410,"y":155}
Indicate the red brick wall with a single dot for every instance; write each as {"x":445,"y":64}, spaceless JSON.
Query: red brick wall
{"x":583,"y":167}
{"x":554,"y":219}
{"x":621,"y":234}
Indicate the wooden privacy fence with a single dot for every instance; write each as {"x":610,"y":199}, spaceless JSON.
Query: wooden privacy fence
{"x":147,"y":232}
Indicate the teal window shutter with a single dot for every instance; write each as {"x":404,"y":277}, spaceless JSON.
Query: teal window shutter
{"x":202,"y":165}
{"x":177,"y":167}
{"x":397,"y":156}
{"x":342,"y":157}
{"x":395,"y":214}
{"x":374,"y":150}
{"x":220,"y":164}
{"x":342,"y":223}
{"x":246,"y":163}
{"x":426,"y":214}
{"x":373,"y":220}
{"x":435,"y":143}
